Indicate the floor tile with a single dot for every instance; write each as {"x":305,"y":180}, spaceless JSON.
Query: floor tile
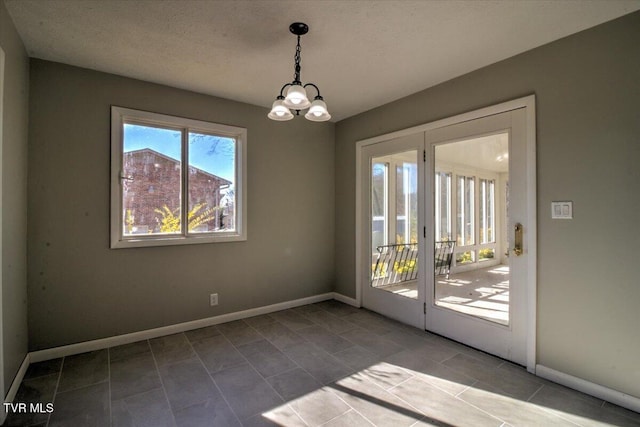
{"x":294,"y":383}
{"x":513,"y":411}
{"x":338,"y":308}
{"x":128,"y":350}
{"x":372,"y":342}
{"x":435,"y":351}
{"x":281,"y":416}
{"x":239,"y":332}
{"x":518,"y":384}
{"x":370,"y":321}
{"x":305,"y":310}
{"x":348,"y":419}
{"x":329,"y":321}
{"x":245,"y":390}
{"x":87,"y":406}
{"x":261,"y":320}
{"x":218,"y":353}
{"x":280,"y":336}
{"x":148,"y":409}
{"x":326,"y":340}
{"x":84,"y":369}
{"x":635,"y":416}
{"x":212,"y":413}
{"x":134,"y":375}
{"x":186,"y":383}
{"x":441,"y":406}
{"x":171,"y":349}
{"x":375,"y":404}
{"x":437,"y":374}
{"x":317,"y":362}
{"x":46,"y":367}
{"x":202,"y":333}
{"x":405,"y":338}
{"x":266,"y":358}
{"x":357,"y":357}
{"x":291,"y":319}
{"x":579,"y":408}
{"x":385,"y":375}
{"x":319,"y":406}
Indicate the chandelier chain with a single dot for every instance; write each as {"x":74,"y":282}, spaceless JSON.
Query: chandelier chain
{"x":296,"y":75}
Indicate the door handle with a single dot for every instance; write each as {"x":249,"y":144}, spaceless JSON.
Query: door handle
{"x":517,"y":245}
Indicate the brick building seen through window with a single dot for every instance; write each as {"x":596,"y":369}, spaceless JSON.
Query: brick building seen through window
{"x":152,"y":190}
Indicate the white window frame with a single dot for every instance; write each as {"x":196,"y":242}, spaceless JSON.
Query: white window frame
{"x":120,"y":115}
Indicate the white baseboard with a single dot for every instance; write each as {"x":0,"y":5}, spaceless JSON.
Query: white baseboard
{"x":346,"y":299}
{"x":99,"y":344}
{"x":599,"y":391}
{"x":15,"y":385}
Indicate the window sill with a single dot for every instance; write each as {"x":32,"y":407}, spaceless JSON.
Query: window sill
{"x":176,"y":240}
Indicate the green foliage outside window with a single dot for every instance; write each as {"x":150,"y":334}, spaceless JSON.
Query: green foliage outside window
{"x":170,"y":222}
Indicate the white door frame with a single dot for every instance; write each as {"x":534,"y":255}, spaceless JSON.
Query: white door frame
{"x":528,"y":103}
{"x":3,"y":413}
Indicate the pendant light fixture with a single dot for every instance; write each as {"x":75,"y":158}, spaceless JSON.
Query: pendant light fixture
{"x":296,"y":98}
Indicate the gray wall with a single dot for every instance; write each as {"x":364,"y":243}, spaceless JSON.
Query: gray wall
{"x":14,"y":198}
{"x":587,"y":88}
{"x":81,"y":290}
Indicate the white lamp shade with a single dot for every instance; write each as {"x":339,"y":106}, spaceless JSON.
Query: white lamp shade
{"x":318,"y":112}
{"x":296,"y":98}
{"x":280,"y":112}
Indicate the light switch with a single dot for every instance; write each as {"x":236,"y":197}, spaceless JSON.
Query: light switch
{"x":562,"y":210}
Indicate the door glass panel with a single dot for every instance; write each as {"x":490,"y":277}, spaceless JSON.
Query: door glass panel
{"x":471,"y":275}
{"x":394,"y":223}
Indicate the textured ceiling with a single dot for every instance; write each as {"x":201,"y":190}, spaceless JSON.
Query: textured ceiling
{"x":361,"y":54}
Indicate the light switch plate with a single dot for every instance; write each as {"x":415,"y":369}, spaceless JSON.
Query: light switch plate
{"x":562,"y":210}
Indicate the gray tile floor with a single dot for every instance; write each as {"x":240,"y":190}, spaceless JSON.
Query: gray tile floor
{"x":322,"y":364}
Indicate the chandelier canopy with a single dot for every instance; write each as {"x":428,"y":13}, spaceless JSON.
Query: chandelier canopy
{"x":296,"y":98}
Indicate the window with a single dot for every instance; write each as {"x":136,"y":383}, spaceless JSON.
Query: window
{"x":466,"y":210}
{"x":406,"y":202}
{"x":487,"y":211}
{"x":443,"y":206}
{"x":394,"y":181}
{"x":379,"y":192}
{"x":175,"y":181}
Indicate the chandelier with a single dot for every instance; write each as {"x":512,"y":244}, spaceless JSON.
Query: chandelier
{"x":296,"y":98}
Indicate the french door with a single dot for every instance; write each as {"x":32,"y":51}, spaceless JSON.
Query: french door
{"x":479,"y":207}
{"x":447,"y":231}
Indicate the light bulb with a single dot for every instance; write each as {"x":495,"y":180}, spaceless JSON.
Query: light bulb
{"x":318,"y":111}
{"x":296,"y":98}
{"x":279,"y":111}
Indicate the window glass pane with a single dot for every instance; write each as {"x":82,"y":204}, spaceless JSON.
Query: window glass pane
{"x":487,"y":207}
{"x":212,"y":183}
{"x":378,"y":204}
{"x":407,"y":201}
{"x":465,"y":215}
{"x":151,"y":194}
{"x":443,"y":206}
{"x":465,"y":257}
{"x":486,"y":254}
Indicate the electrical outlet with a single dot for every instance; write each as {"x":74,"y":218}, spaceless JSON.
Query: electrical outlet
{"x":213,"y":299}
